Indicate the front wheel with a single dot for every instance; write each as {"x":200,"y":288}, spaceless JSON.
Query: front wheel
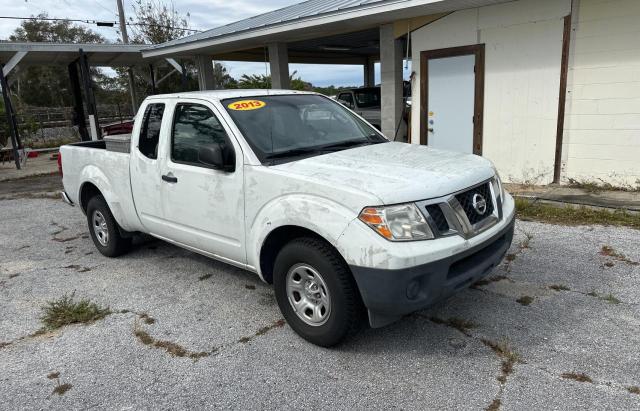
{"x":316,"y":291}
{"x":104,"y":229}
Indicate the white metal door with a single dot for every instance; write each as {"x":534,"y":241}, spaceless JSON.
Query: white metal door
{"x":451,"y":103}
{"x":145,"y":166}
{"x":206,"y":206}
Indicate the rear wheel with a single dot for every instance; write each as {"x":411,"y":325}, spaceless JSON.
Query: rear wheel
{"x":316,"y":291}
{"x":104,"y":229}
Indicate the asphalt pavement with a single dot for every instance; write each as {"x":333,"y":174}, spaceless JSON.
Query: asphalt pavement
{"x":572,"y":344}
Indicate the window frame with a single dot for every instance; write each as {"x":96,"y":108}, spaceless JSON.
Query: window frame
{"x":352,"y":103}
{"x":144,"y":124}
{"x":172,"y":137}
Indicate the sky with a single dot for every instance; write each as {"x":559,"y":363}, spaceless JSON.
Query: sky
{"x":204,"y":14}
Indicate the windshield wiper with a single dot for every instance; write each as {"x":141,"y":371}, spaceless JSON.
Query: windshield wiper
{"x":347,"y":144}
{"x":293,"y":153}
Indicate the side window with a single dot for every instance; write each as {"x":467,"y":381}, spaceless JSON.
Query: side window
{"x":346,"y":99}
{"x":195,"y":126}
{"x":150,"y":131}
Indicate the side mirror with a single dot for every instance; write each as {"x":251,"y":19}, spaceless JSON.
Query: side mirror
{"x":217,"y":156}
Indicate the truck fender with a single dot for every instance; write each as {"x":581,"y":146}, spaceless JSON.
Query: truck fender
{"x":92,"y":174}
{"x":324,"y":217}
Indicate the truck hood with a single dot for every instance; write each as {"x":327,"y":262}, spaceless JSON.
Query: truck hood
{"x":394,"y":172}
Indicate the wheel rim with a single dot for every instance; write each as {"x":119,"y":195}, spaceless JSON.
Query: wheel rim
{"x":308,"y":294}
{"x":100,"y":228}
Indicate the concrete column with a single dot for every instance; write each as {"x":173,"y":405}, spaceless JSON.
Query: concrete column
{"x":391,"y":78}
{"x":279,"y":63}
{"x":369,"y":73}
{"x":204,"y":65}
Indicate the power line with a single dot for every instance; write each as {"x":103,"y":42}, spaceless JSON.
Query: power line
{"x":99,"y":23}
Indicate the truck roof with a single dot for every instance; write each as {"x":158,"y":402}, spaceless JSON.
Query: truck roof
{"x":224,"y":94}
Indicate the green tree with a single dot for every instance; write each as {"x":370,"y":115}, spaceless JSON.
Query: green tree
{"x":155,"y":22}
{"x":47,"y":86}
{"x":262,"y":81}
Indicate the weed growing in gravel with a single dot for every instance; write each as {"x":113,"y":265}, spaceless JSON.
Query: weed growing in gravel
{"x":525,"y":300}
{"x":495,"y":405}
{"x":509,"y":357}
{"x":459,"y":324}
{"x":531,"y":210}
{"x":610,"y":298}
{"x":60,"y":389}
{"x":65,"y":311}
{"x":559,"y":287}
{"x":147,"y":318}
{"x":262,"y":331}
{"x":608,"y":251}
{"x":172,"y":348}
{"x":634,"y":390}
{"x":577,"y":376}
{"x":524,"y":245}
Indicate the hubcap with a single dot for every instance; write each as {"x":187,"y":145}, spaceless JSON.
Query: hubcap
{"x":308,"y":294}
{"x":100,"y":228}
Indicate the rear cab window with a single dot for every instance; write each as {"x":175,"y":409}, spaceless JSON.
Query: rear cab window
{"x":150,"y":130}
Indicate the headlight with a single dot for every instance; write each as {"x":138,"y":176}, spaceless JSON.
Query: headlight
{"x":402,"y":222}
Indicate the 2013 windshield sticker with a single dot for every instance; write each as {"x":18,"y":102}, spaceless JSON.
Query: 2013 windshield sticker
{"x":244,"y":105}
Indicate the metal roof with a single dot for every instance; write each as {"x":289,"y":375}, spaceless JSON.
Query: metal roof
{"x":286,"y":14}
{"x":315,"y":17}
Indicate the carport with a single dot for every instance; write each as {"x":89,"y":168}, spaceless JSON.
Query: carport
{"x":78,"y":58}
{"x":321,"y":32}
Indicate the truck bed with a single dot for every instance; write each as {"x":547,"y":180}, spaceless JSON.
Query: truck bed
{"x":91,"y":162}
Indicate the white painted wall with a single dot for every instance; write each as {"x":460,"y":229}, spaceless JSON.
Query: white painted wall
{"x":523,"y":41}
{"x":602,"y":117}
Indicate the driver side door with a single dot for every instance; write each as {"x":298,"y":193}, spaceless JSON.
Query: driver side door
{"x":205,"y":206}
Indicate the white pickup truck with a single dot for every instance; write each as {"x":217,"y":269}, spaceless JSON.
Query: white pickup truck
{"x":303,"y":192}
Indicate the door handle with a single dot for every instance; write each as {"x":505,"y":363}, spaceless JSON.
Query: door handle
{"x":169,"y":179}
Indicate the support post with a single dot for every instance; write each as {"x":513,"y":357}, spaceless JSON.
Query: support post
{"x":152,"y":76}
{"x":92,"y":110}
{"x":78,"y":108}
{"x":279,"y":65}
{"x":562,"y":99}
{"x":183,"y":77}
{"x":391,"y":79}
{"x":11,"y":118}
{"x":204,"y":65}
{"x":369,"y":73}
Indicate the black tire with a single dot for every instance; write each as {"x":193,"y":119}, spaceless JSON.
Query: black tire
{"x":346,"y":310}
{"x":115,"y":244}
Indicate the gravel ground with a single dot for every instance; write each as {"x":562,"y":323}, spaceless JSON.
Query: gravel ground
{"x":513,"y":354}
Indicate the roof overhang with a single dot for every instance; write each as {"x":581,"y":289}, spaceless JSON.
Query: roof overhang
{"x":112,"y":55}
{"x":370,"y":15}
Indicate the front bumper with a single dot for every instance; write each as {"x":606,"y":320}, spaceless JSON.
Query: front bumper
{"x":389,"y":294}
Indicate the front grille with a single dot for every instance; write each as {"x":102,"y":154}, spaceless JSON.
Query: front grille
{"x":438,"y":218}
{"x":466,"y":201}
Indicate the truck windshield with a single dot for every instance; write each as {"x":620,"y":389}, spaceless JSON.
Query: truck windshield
{"x":282,"y":127}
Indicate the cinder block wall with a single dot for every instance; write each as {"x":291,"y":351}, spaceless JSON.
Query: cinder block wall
{"x":523,"y":45}
{"x":602,"y":117}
